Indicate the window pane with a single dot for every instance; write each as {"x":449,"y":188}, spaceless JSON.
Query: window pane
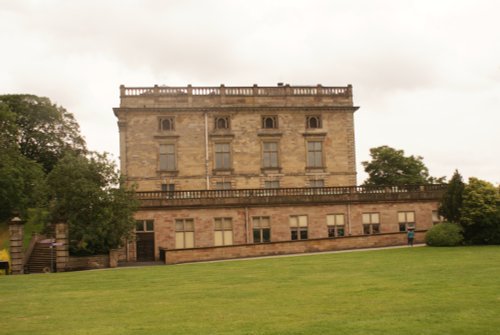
{"x":228,"y":237}
{"x":330,"y":220}
{"x":264,"y":221}
{"x":294,"y":235}
{"x":228,"y":224}
{"x":410,"y":217}
{"x":256,"y":236}
{"x":366,"y":229}
{"x":266,"y":235}
{"x":375,"y":229}
{"x":218,"y":238}
{"x":218,"y":224}
{"x":189,"y":225}
{"x":339,"y":219}
{"x":179,"y":225}
{"x":375,"y":218}
{"x":179,"y":240}
{"x":402,"y":227}
{"x":331,"y":231}
{"x":294,"y":222}
{"x":401,"y":217}
{"x":303,"y":233}
{"x":189,"y":239}
{"x":366,"y":218}
{"x":340,"y":230}
{"x":302,"y":221}
{"x":139,"y":225}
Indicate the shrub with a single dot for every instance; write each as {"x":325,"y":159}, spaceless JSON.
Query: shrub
{"x":444,"y":235}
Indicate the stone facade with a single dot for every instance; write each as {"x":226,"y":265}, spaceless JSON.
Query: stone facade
{"x":225,"y":172}
{"x":266,"y":134}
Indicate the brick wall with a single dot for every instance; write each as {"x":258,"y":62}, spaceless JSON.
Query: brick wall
{"x":289,"y":247}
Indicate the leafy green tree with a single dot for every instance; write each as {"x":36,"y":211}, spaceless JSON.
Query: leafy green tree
{"x":43,"y":131}
{"x":451,"y":203}
{"x":390,"y":167}
{"x":480,"y":212}
{"x":88,"y":194}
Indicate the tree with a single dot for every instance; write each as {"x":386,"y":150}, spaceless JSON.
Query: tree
{"x":43,"y":131}
{"x":87,"y":193}
{"x":451,"y":203}
{"x":480,"y":212}
{"x":390,"y":167}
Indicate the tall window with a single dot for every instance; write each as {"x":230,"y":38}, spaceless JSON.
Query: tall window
{"x":222,"y":156}
{"x":222,"y":122}
{"x":313,"y":122}
{"x":167,"y":123}
{"x":406,"y":220}
{"x":371,"y":223}
{"x":298,"y":227}
{"x":184,"y":233}
{"x":144,"y":225}
{"x":336,"y":225}
{"x":223,"y":231}
{"x":270,"y":154}
{"x":167,"y":157}
{"x":261,"y":229}
{"x":314,"y":154}
{"x":269,"y":122}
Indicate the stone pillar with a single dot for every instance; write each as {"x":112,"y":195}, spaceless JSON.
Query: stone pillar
{"x":16,"y":235}
{"x":61,"y":245}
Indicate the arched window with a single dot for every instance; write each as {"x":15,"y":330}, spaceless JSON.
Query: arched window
{"x":167,"y":124}
{"x":269,"y":122}
{"x":313,"y":122}
{"x":222,"y":122}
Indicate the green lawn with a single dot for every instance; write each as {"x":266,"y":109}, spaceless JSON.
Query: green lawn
{"x":398,"y":291}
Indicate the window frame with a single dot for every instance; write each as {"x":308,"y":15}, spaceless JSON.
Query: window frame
{"x":145,"y":226}
{"x":314,"y":118}
{"x":272,"y":118}
{"x":172,"y":165}
{"x":335,"y":227}
{"x":405,"y":224}
{"x":171,"y":121}
{"x":226,"y":122}
{"x":223,"y":156}
{"x":223,"y":229}
{"x":260,"y":229}
{"x":300,"y":232}
{"x":269,"y":155}
{"x":311,"y":163}
{"x":371,"y":226}
{"x":184,"y":232}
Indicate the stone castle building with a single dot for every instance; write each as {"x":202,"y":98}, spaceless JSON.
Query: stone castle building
{"x":226,"y":172}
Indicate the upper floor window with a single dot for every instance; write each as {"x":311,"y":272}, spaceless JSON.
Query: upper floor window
{"x":315,"y":154}
{"x":223,"y":231}
{"x":223,"y":185}
{"x":270,"y":154}
{"x":167,"y":157}
{"x":222,"y":156}
{"x":167,"y":123}
{"x":222,"y":122}
{"x":406,"y":220}
{"x":269,"y":122}
{"x":313,"y":122}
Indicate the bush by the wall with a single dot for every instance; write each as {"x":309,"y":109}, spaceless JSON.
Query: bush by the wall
{"x":444,"y":235}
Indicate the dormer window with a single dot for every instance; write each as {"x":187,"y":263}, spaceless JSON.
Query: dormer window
{"x":222,"y":122}
{"x":313,"y":122}
{"x":269,"y":122}
{"x":167,"y":124}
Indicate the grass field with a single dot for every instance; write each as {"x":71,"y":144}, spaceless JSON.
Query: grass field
{"x":397,"y":291}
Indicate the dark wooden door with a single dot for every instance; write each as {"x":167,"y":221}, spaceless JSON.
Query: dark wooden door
{"x":145,"y":244}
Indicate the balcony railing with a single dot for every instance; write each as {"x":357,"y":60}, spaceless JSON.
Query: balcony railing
{"x":235,"y":91}
{"x":348,"y":193}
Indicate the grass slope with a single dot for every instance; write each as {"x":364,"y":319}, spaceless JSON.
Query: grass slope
{"x":399,"y":291}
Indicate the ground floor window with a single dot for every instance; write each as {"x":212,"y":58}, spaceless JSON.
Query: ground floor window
{"x":371,"y":223}
{"x":335,"y":224}
{"x":184,"y":233}
{"x":261,"y":229}
{"x":406,"y":220}
{"x":298,"y":227}
{"x":223,"y":234}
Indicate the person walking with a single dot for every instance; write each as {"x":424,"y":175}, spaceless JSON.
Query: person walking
{"x":411,"y":235}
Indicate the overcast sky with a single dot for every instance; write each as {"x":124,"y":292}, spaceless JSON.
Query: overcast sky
{"x":426,"y":74}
